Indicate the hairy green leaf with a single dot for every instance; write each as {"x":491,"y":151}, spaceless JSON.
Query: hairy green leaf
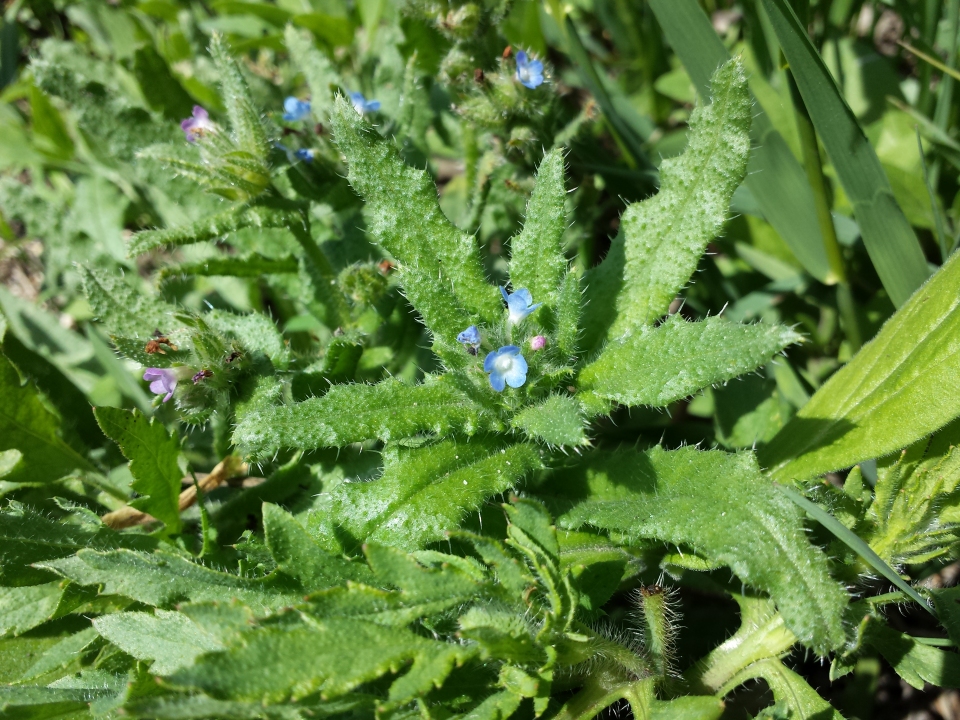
{"x":209,"y":228}
{"x":154,"y":457}
{"x":947,"y":603}
{"x":658,"y":365}
{"x":317,"y":70}
{"x":31,"y":429}
{"x":249,"y":266}
{"x":170,"y":639}
{"x":915,"y":662}
{"x":23,"y":608}
{"x":898,"y":389}
{"x":558,"y":420}
{"x":245,"y":124}
{"x":789,"y":689}
{"x":721,"y":507}
{"x":423,"y":492}
{"x":661,"y":239}
{"x":536,"y":254}
{"x":439,"y":265}
{"x":390,"y":410}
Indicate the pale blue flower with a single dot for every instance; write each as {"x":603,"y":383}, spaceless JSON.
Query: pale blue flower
{"x":529,"y":72}
{"x":470,"y":336}
{"x":519,"y":303}
{"x":295,"y":109}
{"x":506,"y":367}
{"x":304,"y":154}
{"x":362,"y":105}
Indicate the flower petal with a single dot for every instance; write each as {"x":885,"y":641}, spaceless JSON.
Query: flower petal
{"x":516,"y":375}
{"x":497,"y":381}
{"x":490,"y":360}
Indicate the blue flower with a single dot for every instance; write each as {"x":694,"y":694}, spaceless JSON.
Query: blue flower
{"x":304,"y":154}
{"x":362,"y":105}
{"x":506,"y":366}
{"x":529,"y":72}
{"x":470,"y":336}
{"x":519,"y":304}
{"x":295,"y":109}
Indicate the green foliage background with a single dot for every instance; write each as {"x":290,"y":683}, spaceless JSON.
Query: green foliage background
{"x":733,"y":456}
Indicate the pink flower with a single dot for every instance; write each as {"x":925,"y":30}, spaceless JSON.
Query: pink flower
{"x":196,"y":126}
{"x":162,"y":380}
{"x":538,"y":342}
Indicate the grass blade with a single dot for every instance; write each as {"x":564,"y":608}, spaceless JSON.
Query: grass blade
{"x":852,"y":541}
{"x":774,"y":176}
{"x":887,"y":235}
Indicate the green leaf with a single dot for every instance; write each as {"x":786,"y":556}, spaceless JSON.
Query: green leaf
{"x":537,"y":262}
{"x":30,"y":428}
{"x":423,"y":492}
{"x":390,"y":410}
{"x":317,"y":70}
{"x":888,"y":237}
{"x":247,"y":129}
{"x":167,"y":638}
{"x":333,"y":656}
{"x":163,"y":578}
{"x":61,"y":654}
{"x":162,"y":91}
{"x":774,"y":177}
{"x":23,"y":608}
{"x":439,"y":265}
{"x":721,"y":507}
{"x":299,"y":556}
{"x":658,"y":365}
{"x":898,"y":389}
{"x":255,"y":332}
{"x":947,"y":604}
{"x":254,"y":265}
{"x":154,"y":457}
{"x":202,"y":707}
{"x":44,"y":702}
{"x":915,"y":662}
{"x":209,"y":228}
{"x":558,"y":420}
{"x":789,"y":689}
{"x":661,"y":239}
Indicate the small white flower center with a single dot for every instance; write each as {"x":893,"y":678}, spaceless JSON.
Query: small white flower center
{"x":503,"y":364}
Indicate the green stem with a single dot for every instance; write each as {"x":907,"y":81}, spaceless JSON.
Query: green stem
{"x":324,"y":278}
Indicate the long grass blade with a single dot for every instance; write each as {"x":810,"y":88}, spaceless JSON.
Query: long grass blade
{"x":852,"y":541}
{"x":887,"y":235}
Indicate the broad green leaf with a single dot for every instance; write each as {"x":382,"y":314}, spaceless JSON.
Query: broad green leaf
{"x":132,"y":318}
{"x":536,"y":254}
{"x":154,"y":457}
{"x":898,"y":389}
{"x":661,"y":239}
{"x":299,"y":556}
{"x":390,"y":410}
{"x":333,"y":656}
{"x":23,"y":608}
{"x":209,"y":228}
{"x":255,"y":332}
{"x":789,"y":689}
{"x":423,"y":492}
{"x":61,"y":654}
{"x":658,"y":365}
{"x":29,"y":427}
{"x":203,"y":707}
{"x":558,"y":420}
{"x":888,"y":237}
{"x":245,"y":124}
{"x":161,"y":89}
{"x":721,"y":507}
{"x":250,"y":266}
{"x":774,"y":177}
{"x":947,"y":603}
{"x":43,"y":702}
{"x":170,"y":639}
{"x":915,"y":662}
{"x":438,"y":264}
{"x":162,"y":578}
{"x":317,"y":70}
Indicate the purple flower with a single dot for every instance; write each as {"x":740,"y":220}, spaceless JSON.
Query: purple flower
{"x":520,"y":304}
{"x":538,"y":342}
{"x":295,"y":109}
{"x":162,"y":380}
{"x":195,"y":127}
{"x":506,"y":367}
{"x":529,"y":72}
{"x":362,"y":105}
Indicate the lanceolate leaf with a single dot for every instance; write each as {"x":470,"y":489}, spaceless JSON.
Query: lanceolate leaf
{"x":423,"y":492}
{"x":661,"y":239}
{"x":439,"y":265}
{"x":245,"y":123}
{"x":353,"y":413}
{"x":209,"y":228}
{"x":536,"y":254}
{"x":658,"y":365}
{"x":788,"y":688}
{"x":252,"y":266}
{"x":558,"y":420}
{"x":27,"y":426}
{"x":916,"y":663}
{"x":316,"y":68}
{"x":899,"y":388}
{"x":154,"y":461}
{"x":721,"y":507}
